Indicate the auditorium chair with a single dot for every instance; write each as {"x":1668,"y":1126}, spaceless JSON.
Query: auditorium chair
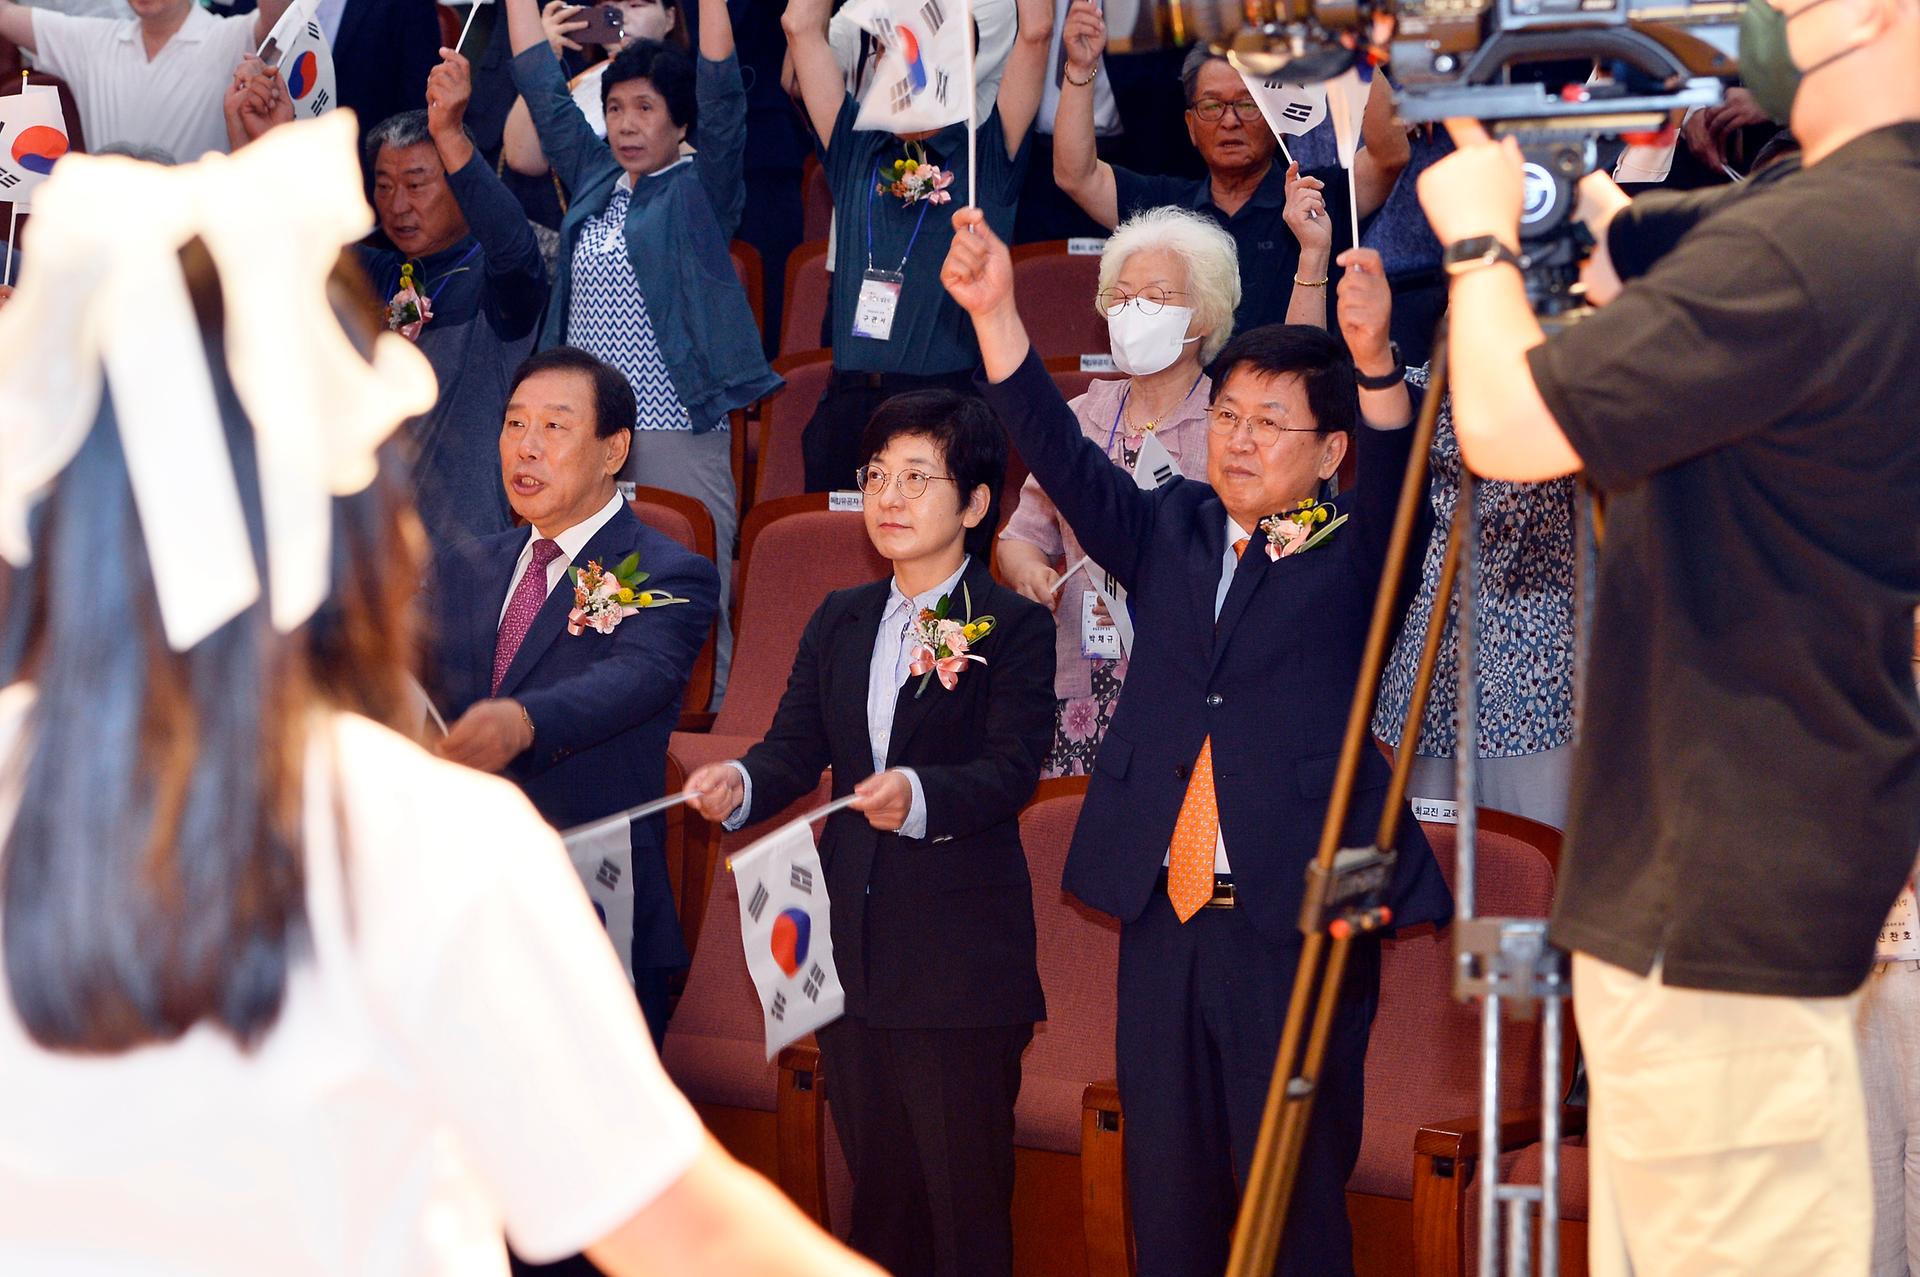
{"x":807,"y":298}
{"x":1423,"y":1058}
{"x":779,"y":470}
{"x":1055,"y":290}
{"x":746,"y":264}
{"x":1066,"y":1219}
{"x":1071,"y":378}
{"x":687,"y":521}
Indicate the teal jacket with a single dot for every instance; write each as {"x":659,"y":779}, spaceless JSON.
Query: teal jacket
{"x":678,"y":227}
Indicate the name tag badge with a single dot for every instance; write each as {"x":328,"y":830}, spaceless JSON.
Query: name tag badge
{"x":1099,"y":640}
{"x":879,"y":299}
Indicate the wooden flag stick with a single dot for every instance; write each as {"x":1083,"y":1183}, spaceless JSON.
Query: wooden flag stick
{"x":13,"y":228}
{"x":1281,"y":138}
{"x":1353,"y":207}
{"x":973,"y":106}
{"x":472,"y":13}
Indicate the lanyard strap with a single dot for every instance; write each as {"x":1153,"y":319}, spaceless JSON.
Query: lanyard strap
{"x":873,"y":193}
{"x":451,"y":271}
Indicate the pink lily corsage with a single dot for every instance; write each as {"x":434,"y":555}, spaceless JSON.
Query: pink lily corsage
{"x":945,"y":644}
{"x":408,"y":310}
{"x":1300,"y":529}
{"x":603,"y":599}
{"x":913,"y":179}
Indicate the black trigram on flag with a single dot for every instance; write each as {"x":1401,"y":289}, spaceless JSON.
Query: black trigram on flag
{"x":886,"y":33}
{"x":933,"y":13}
{"x":608,"y":876}
{"x":759,"y":901}
{"x":1162,"y":473}
{"x":320,"y":100}
{"x":815,"y":979}
{"x":313,"y":30}
{"x":902,"y":94}
{"x":9,"y":178}
{"x":802,"y":879}
{"x":940,"y":87}
{"x":779,"y":1008}
{"x":1298,"y":112}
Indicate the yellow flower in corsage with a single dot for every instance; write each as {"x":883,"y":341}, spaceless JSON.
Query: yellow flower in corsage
{"x":603,"y":599}
{"x":1300,"y":529}
{"x":945,"y":644}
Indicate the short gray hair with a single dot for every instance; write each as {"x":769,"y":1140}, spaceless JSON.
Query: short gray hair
{"x":1197,"y":58}
{"x":400,"y":130}
{"x":1208,"y":252}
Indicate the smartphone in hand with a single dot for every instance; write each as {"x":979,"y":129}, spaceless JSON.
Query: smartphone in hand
{"x":606,"y":24}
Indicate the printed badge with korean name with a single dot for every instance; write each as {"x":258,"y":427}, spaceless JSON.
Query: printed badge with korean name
{"x":879,"y":299}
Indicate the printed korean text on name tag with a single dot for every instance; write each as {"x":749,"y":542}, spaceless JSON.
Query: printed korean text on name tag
{"x":879,"y":299}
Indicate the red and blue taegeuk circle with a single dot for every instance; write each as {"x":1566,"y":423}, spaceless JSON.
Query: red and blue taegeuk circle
{"x":303,"y":75}
{"x":910,"y":50}
{"x":38,"y":147}
{"x":791,"y":938}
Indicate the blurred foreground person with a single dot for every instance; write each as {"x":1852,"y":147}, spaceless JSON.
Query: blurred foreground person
{"x":283,"y":993}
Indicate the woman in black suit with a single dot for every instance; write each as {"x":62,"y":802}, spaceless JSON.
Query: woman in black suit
{"x":930,"y":694}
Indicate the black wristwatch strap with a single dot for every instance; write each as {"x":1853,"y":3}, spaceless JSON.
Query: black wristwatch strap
{"x":1385,"y":381}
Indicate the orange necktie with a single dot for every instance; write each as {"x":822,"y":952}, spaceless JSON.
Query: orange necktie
{"x":1197,"y":831}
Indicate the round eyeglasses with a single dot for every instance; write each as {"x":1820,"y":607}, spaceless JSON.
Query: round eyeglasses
{"x":1152,"y":299}
{"x":1225,"y":422}
{"x":873,"y":481}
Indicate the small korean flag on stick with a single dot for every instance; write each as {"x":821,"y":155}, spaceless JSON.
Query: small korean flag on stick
{"x":787,"y":930}
{"x":1290,"y":110}
{"x":33,"y":137}
{"x":921,"y":81}
{"x":298,"y":47}
{"x":1347,"y":103}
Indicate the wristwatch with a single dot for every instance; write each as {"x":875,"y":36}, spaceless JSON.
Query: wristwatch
{"x":1471,"y":254}
{"x":1387,"y":380}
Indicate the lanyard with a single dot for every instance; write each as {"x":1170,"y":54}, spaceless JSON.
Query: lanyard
{"x":1114,"y":431}
{"x":873,"y":193}
{"x":452,"y":270}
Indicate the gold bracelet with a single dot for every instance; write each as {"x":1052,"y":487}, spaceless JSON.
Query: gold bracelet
{"x":1311,"y":283}
{"x":1081,"y":84}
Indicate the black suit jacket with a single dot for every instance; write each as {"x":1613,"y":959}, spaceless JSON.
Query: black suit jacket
{"x":382,"y":54}
{"x":602,"y":705}
{"x":1271,"y":682}
{"x":934,"y":932}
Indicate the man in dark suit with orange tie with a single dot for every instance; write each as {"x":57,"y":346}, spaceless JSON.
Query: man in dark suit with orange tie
{"x":1250,"y":613}
{"x":932,"y":908}
{"x":578,"y":720}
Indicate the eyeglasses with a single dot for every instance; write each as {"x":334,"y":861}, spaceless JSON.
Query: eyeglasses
{"x":1211,"y":109}
{"x":1152,"y":299}
{"x":1225,"y":422}
{"x":873,"y":481}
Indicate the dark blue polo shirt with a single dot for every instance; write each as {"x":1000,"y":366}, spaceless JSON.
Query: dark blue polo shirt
{"x":1269,"y":254}
{"x":931,"y":334}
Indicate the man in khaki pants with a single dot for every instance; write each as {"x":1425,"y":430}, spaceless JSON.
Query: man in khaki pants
{"x":1746,"y":798}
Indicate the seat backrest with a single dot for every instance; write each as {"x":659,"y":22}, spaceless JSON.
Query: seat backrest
{"x":1072,"y":379}
{"x":809,"y":285}
{"x":1423,"y":1061}
{"x":746,"y":264}
{"x":1079,"y":958}
{"x":715,"y":1048}
{"x":816,"y":200}
{"x":780,"y":470}
{"x":1055,"y":290}
{"x":793,"y":553}
{"x":688,"y":522}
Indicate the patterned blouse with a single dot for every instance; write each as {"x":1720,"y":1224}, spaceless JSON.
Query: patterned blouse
{"x":1523,"y":616}
{"x":607,"y":316}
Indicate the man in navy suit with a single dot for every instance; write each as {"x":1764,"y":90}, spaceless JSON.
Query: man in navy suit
{"x":932,"y":908}
{"x":578,"y":721}
{"x":1211,"y":787}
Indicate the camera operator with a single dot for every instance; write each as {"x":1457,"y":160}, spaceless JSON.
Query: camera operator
{"x":1747,"y":789}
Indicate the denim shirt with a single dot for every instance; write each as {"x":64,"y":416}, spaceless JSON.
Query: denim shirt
{"x":677,"y":230}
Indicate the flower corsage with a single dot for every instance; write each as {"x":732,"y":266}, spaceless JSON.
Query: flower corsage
{"x":409,"y":309}
{"x":945,"y":644}
{"x":603,"y":599}
{"x":911,"y":178}
{"x":1299,"y":529}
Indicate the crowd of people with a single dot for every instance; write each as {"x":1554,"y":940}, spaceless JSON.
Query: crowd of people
{"x":1175,"y":607}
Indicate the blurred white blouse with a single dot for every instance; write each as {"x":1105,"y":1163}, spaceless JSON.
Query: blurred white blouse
{"x":459,"y":1055}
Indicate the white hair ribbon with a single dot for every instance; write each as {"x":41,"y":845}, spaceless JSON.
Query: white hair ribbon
{"x":104,"y":294}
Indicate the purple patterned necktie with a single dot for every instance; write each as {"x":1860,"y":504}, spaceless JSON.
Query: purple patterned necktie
{"x":528,"y":595}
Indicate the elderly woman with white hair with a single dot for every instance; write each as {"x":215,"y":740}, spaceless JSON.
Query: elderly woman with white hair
{"x":1169,"y":284}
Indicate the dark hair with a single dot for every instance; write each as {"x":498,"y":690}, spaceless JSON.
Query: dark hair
{"x":666,"y":66}
{"x":971,"y":441}
{"x":614,"y":407}
{"x":1196,"y":61}
{"x":1312,"y":354}
{"x":154,"y":876}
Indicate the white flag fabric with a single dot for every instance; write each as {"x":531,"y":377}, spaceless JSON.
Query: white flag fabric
{"x":602,"y":855}
{"x":1292,"y":109}
{"x":33,"y":137}
{"x":787,"y":930}
{"x":298,"y":47}
{"x":921,"y":80}
{"x":1347,"y":103}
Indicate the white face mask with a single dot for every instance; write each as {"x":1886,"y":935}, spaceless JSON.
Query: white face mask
{"x":1144,"y":344}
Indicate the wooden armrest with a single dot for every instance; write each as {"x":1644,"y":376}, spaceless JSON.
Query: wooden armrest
{"x":1460,"y":1137}
{"x":695,"y":720}
{"x":1446,"y":1158}
{"x":1103,"y":1182}
{"x":799,"y":1125}
{"x":1103,"y":1097}
{"x":801,"y":1057}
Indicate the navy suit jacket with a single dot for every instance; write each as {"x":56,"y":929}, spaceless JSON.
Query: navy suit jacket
{"x":602,"y":705}
{"x":934,"y":932}
{"x":1271,"y":683}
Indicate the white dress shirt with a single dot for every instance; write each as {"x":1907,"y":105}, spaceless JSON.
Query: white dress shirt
{"x":571,"y":542}
{"x":893,"y":643}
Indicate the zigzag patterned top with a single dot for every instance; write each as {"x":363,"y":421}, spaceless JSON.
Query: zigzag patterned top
{"x":608,"y":317}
